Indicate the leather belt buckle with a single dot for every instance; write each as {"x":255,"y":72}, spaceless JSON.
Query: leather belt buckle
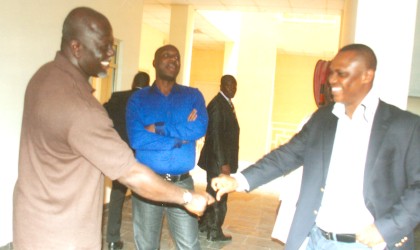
{"x":167,"y":177}
{"x":347,"y":238}
{"x":175,"y":178}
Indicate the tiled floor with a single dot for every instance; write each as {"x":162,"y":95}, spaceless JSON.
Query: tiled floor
{"x":249,"y":220}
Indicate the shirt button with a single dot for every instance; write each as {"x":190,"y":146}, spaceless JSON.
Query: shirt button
{"x":322,"y":189}
{"x":315,"y":212}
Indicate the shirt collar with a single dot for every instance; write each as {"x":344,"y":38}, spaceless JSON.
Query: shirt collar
{"x":367,"y":107}
{"x":227,"y":99}
{"x":64,"y":64}
{"x":175,"y":88}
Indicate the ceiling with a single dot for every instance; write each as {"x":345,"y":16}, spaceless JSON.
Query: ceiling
{"x":317,"y":21}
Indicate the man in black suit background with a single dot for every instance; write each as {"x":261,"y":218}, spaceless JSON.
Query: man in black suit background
{"x":220,"y":154}
{"x":116,"y":111}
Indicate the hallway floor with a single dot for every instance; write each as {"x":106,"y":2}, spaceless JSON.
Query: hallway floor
{"x":249,"y":220}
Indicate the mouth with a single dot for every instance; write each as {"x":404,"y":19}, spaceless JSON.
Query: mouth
{"x":336,"y":89}
{"x":172,"y":66}
{"x":105,"y":63}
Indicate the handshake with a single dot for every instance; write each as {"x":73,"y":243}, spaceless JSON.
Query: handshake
{"x":198,"y":201}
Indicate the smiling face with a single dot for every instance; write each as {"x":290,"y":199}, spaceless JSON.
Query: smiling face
{"x":96,"y":49}
{"x":88,"y":41}
{"x":350,"y":79}
{"x":167,"y":63}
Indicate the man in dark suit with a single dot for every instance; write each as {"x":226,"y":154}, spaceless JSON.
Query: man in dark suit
{"x":220,"y":153}
{"x":116,"y":111}
{"x":361,"y":166}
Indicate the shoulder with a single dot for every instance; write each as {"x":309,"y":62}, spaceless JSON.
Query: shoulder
{"x":121,"y":94}
{"x":140,"y":92}
{"x":397,"y":115}
{"x":323,"y":112}
{"x":188,"y":89}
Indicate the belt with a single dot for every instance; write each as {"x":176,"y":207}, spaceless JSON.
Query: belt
{"x":348,"y":238}
{"x":175,"y":178}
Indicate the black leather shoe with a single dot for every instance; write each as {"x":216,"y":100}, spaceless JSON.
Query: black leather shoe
{"x":115,"y":245}
{"x":219,"y":237}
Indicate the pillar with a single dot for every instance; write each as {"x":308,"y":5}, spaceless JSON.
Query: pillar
{"x":388,"y":27}
{"x":181,"y":35}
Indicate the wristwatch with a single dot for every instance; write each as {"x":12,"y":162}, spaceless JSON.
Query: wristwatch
{"x":187,"y":197}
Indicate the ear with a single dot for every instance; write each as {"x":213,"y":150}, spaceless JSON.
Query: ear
{"x":75,"y":47}
{"x":369,"y":76}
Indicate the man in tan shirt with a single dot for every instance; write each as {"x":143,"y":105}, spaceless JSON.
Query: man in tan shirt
{"x":68,"y":143}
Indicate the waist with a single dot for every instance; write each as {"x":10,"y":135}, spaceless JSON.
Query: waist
{"x":348,"y":238}
{"x":175,"y":178}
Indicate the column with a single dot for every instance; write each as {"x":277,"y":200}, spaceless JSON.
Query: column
{"x":181,"y":35}
{"x":388,"y":27}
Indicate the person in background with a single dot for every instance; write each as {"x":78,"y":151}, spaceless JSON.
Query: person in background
{"x":220,"y":154}
{"x":361,"y":174}
{"x":68,"y":143}
{"x":163,"y":123}
{"x":116,"y":111}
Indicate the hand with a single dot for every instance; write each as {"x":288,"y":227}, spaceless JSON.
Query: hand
{"x":223,"y":184}
{"x":370,"y":236}
{"x":199,"y":202}
{"x":192,"y":116}
{"x":225,"y":169}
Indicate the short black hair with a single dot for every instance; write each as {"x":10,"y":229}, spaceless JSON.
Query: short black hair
{"x":364,"y":51}
{"x":226,"y":79}
{"x":141,"y":80}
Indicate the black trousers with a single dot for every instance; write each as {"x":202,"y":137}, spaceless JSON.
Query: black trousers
{"x":215,"y":214}
{"x":115,"y":206}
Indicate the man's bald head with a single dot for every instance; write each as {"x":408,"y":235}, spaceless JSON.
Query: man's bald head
{"x":87,"y":41}
{"x":81,"y":21}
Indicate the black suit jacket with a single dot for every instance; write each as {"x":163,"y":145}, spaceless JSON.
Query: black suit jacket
{"x":391,"y":180}
{"x":116,"y":111}
{"x":221,"y":145}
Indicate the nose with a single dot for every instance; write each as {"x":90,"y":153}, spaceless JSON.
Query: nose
{"x":331,"y":78}
{"x":174,"y":58}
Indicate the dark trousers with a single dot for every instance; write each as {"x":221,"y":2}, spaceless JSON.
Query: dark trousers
{"x":215,"y":214}
{"x":115,"y":206}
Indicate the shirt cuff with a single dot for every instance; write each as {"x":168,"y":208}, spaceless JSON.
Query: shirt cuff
{"x":243,"y":184}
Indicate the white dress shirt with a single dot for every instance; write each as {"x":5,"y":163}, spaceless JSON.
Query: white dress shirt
{"x":343,"y":209}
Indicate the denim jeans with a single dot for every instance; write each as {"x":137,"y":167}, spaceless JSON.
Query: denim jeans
{"x":148,"y":219}
{"x":318,"y":242}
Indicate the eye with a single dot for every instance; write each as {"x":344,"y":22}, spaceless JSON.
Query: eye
{"x":342,"y":74}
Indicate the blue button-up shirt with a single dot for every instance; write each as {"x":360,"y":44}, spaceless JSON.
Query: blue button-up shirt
{"x":171,"y":150}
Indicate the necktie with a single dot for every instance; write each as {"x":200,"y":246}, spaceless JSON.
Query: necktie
{"x":231,"y":105}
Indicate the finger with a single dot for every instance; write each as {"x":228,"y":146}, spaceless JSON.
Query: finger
{"x":210,"y":199}
{"x":220,"y":193}
{"x":214,"y":184}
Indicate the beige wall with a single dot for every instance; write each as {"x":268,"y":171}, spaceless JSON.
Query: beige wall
{"x":293,"y":91}
{"x":206,"y":71}
{"x":150,"y":41}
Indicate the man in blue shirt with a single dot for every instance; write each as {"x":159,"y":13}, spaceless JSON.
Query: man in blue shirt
{"x":163,"y":123}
